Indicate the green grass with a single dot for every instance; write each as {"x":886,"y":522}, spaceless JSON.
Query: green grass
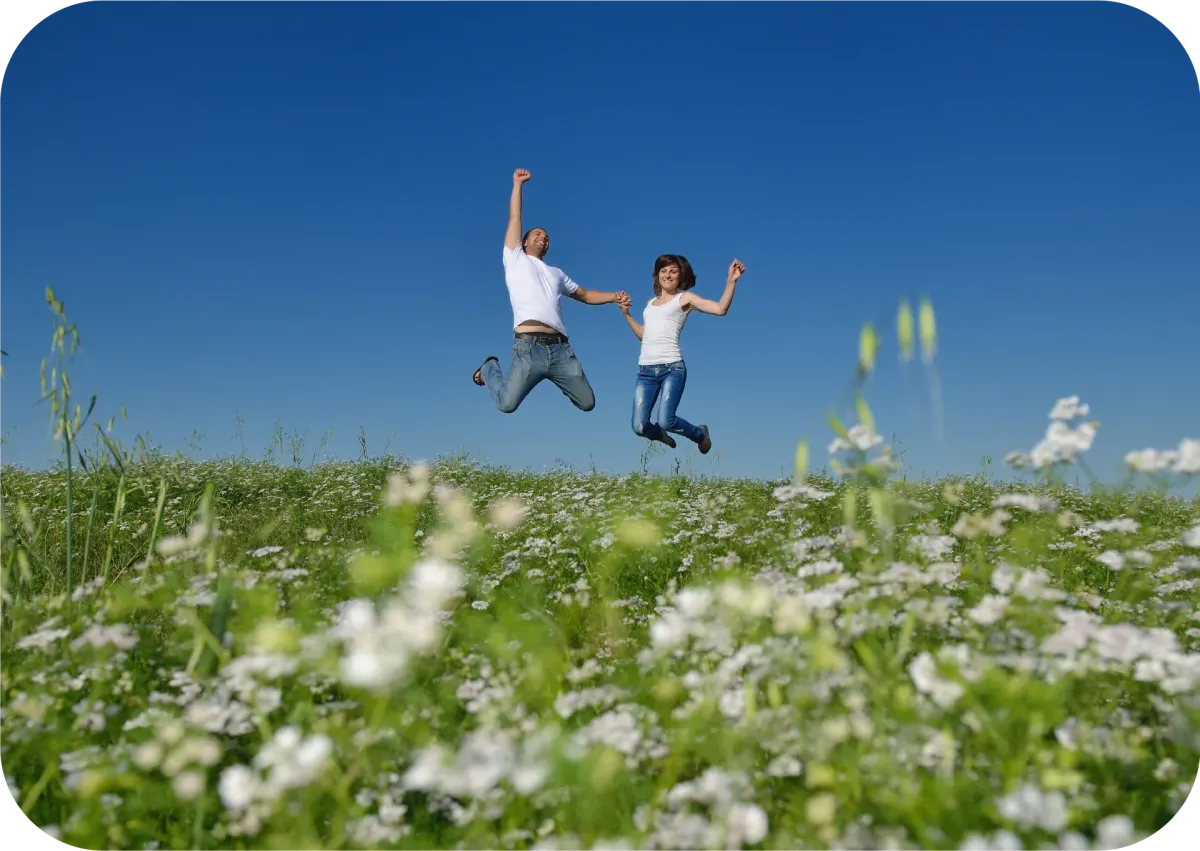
{"x":641,"y":662}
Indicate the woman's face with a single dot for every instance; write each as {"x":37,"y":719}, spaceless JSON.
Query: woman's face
{"x":668,"y":278}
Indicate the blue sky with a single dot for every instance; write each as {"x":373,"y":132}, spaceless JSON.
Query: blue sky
{"x":296,"y":211}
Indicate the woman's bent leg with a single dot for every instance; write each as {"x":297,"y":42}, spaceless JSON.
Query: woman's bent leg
{"x":645,"y":392}
{"x":672,"y":391}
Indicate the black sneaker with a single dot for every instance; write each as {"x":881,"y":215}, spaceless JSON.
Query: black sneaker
{"x":705,"y":444}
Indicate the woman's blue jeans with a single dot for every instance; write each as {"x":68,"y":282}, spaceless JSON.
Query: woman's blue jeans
{"x":669,"y":380}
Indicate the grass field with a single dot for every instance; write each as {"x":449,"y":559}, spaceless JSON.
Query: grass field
{"x":353,"y":656}
{"x":388,"y":654}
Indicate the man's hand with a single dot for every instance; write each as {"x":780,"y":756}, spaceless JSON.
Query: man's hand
{"x":520,"y":176}
{"x":735,"y":271}
{"x":623,"y":301}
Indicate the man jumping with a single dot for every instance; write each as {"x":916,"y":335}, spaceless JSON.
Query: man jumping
{"x":540,"y":348}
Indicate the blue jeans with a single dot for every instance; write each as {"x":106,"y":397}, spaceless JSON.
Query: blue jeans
{"x":532,"y":362}
{"x":669,"y":378}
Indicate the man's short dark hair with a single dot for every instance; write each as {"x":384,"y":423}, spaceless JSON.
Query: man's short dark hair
{"x":531,"y":230}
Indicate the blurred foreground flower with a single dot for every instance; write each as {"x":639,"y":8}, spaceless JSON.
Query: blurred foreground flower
{"x":404,"y":487}
{"x":507,"y":514}
{"x":288,"y":761}
{"x":1062,"y":442}
{"x":1184,"y":460}
{"x":380,"y":643}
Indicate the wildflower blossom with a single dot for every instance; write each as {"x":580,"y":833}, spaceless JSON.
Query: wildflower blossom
{"x":117,"y":635}
{"x":923,"y":671}
{"x":859,"y":437}
{"x":379,"y":644}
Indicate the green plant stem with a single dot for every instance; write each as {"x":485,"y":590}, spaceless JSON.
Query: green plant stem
{"x":112,"y":529}
{"x":158,"y":512}
{"x":70,"y":519}
{"x":87,"y":540}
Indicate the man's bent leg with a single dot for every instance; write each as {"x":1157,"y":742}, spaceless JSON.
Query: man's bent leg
{"x":508,"y":392}
{"x":567,"y":373}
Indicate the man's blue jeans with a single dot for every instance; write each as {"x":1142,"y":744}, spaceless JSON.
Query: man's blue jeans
{"x":533,"y":362}
{"x":669,"y":379}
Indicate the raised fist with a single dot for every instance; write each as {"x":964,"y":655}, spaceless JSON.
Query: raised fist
{"x":520,"y":175}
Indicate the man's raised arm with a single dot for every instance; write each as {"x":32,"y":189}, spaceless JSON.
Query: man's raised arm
{"x":512,"y":237}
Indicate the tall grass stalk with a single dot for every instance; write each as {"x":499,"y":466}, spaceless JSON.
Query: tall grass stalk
{"x":118,"y":506}
{"x":158,"y":513}
{"x":66,"y":426}
{"x":87,"y":539}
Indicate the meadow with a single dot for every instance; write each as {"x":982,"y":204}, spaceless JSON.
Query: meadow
{"x":388,"y":653}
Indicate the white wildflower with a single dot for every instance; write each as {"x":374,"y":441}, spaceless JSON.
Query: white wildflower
{"x":117,"y":635}
{"x":189,"y":785}
{"x":746,"y":825}
{"x":932,"y":546}
{"x":507,"y":514}
{"x":1068,"y":408}
{"x":42,"y":638}
{"x":923,"y":671}
{"x":1030,"y":807}
{"x":1003,"y":578}
{"x":379,"y":646}
{"x":237,"y":788}
{"x":1150,"y":460}
{"x":1188,"y":457}
{"x":1029,"y":502}
{"x":990,"y":609}
{"x":410,"y":487}
{"x":860,"y":438}
{"x":172,"y":545}
{"x":293,"y":761}
{"x":785,"y":766}
{"x":1114,"y":832}
{"x":973,"y":525}
{"x":1062,"y":443}
{"x":1126,"y":525}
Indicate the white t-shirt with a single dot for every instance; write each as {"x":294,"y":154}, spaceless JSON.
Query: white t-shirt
{"x":661,"y":326}
{"x":535,"y":288}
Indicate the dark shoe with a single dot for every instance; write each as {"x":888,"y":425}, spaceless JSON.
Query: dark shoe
{"x":667,"y":439}
{"x":478,"y":376}
{"x":705,"y":444}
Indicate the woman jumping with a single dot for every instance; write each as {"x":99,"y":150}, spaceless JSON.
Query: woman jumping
{"x":660,"y":364}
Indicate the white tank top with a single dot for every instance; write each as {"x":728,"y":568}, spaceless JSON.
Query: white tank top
{"x":661,"y":326}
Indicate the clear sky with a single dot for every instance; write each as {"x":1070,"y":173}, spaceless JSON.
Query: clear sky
{"x":296,"y":212}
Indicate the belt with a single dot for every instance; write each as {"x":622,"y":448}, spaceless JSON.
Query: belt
{"x":541,"y":337}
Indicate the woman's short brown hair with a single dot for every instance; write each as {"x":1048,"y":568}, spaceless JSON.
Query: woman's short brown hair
{"x":687,"y":278}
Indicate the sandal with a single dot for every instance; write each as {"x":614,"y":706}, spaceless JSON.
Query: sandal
{"x":478,"y":376}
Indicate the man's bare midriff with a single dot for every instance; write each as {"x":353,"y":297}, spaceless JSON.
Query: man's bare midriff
{"x":530,"y":326}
